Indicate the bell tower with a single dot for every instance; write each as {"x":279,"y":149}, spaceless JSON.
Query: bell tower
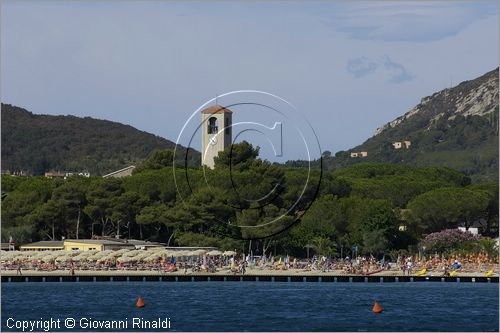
{"x":216,"y":132}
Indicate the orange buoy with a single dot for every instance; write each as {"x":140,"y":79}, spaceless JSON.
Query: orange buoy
{"x":377,"y":308}
{"x":140,"y":303}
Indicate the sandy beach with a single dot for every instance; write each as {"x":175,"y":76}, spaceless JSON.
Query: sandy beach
{"x":227,"y":272}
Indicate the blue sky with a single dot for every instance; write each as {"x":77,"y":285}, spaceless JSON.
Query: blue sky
{"x":348,"y":66}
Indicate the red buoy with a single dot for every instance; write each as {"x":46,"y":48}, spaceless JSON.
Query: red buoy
{"x":140,"y":303}
{"x":377,"y":308}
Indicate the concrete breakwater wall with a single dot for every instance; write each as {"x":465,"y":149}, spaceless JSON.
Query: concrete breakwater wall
{"x":244,"y":278}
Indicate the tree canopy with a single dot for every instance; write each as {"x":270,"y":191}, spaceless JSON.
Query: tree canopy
{"x":245,"y":197}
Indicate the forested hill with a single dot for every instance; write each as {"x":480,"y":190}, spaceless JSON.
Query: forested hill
{"x":455,"y":127}
{"x":39,"y":143}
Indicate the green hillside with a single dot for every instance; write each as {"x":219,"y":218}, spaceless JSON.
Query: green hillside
{"x":38,"y":143}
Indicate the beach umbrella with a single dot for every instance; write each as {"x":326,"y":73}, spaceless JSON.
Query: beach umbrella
{"x":8,"y":255}
{"x":158,"y":249}
{"x":38,"y":255}
{"x":118,"y":253}
{"x":180,"y":253}
{"x":114,"y":254}
{"x":142,"y":256}
{"x":93,"y":257}
{"x":81,"y":256}
{"x":170,"y":253}
{"x":131,"y":253}
{"x":214,"y":253}
{"x":49,"y":257}
{"x":199,"y":252}
{"x":124,"y":259}
{"x":229,"y":253}
{"x":63,"y":258}
{"x":86,"y":255}
{"x":153,"y":256}
{"x":73,"y":253}
{"x":110,"y":257}
{"x":27,"y":254}
{"x":13,"y":254}
{"x":18,"y":255}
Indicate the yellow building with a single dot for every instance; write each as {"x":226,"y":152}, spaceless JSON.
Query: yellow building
{"x":89,"y":244}
{"x":43,"y":246}
{"x":95,"y":244}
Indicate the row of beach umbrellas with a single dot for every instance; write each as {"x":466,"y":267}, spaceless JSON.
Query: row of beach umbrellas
{"x":123,"y":255}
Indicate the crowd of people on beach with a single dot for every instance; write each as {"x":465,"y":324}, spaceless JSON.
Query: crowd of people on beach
{"x":239,"y":264}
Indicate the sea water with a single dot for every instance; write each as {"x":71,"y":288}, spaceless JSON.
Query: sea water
{"x":250,"y":306}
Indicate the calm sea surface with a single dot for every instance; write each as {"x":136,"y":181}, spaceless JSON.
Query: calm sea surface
{"x":260,"y":306}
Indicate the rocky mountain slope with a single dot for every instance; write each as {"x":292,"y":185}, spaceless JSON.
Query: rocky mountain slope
{"x":470,"y":98}
{"x":455,"y":127}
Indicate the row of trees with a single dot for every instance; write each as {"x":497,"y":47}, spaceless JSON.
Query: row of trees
{"x":371,"y":207}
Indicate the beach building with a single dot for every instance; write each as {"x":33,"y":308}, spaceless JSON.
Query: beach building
{"x":144,"y":245}
{"x":121,"y":173}
{"x":43,"y":246}
{"x":9,"y":246}
{"x":96,"y":244}
{"x":90,"y":244}
{"x":191,"y":248}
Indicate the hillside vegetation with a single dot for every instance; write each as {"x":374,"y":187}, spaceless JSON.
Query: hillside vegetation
{"x":39,"y":143}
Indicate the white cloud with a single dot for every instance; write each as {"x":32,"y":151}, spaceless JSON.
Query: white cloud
{"x":408,"y":21}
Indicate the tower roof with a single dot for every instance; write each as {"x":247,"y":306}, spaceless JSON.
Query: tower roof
{"x":216,"y":109}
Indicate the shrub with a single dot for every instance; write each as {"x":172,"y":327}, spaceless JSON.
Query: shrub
{"x":451,"y":240}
